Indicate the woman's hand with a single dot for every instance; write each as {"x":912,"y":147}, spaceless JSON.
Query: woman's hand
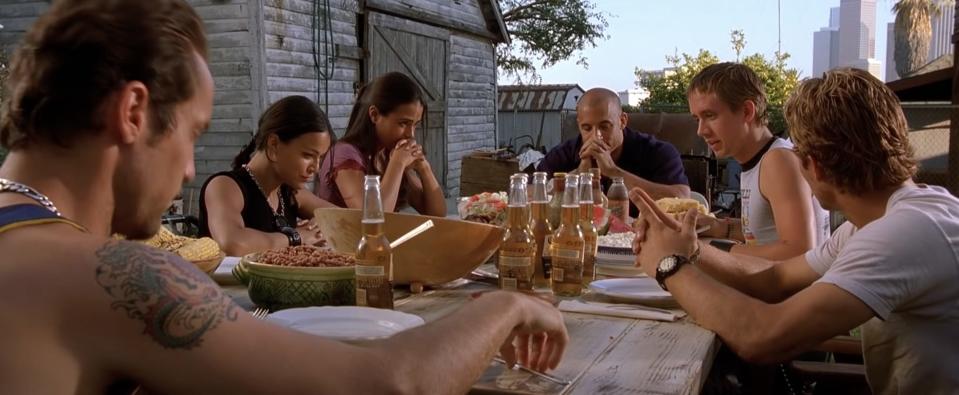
{"x":310,"y":234}
{"x":404,"y":153}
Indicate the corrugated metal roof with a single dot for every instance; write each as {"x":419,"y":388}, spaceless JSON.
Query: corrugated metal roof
{"x":535,"y":97}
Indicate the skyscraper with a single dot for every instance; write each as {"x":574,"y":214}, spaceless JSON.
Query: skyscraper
{"x":942,"y":28}
{"x":891,"y":74}
{"x":826,"y":45}
{"x":857,"y":31}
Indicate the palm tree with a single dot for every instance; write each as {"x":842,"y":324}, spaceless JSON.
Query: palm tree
{"x":913,"y":32}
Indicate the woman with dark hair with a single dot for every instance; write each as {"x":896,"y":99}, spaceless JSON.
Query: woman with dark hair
{"x":379,"y":140}
{"x":256,"y":205}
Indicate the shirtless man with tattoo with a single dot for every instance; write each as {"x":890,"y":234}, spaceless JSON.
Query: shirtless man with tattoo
{"x":107,"y":100}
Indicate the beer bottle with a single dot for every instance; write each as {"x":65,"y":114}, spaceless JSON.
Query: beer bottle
{"x":619,"y":199}
{"x":541,"y":227}
{"x":586,"y":224}
{"x":374,"y":258}
{"x":519,"y":246}
{"x":568,"y":245}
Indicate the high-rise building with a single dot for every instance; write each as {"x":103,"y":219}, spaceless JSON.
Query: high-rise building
{"x":942,"y":28}
{"x":857,"y":31}
{"x":891,"y":74}
{"x":871,"y":65}
{"x":826,"y":45}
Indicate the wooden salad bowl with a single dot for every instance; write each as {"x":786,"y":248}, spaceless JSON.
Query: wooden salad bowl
{"x":451,"y":249}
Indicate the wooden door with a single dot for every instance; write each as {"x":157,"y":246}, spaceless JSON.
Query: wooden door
{"x":421,"y":52}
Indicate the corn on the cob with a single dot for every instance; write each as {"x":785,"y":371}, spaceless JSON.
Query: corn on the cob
{"x":199,"y":250}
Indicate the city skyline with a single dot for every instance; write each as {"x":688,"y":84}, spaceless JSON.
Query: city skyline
{"x":642,"y":37}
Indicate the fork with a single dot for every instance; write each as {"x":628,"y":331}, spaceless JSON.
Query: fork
{"x":260,"y":313}
{"x":546,"y":376}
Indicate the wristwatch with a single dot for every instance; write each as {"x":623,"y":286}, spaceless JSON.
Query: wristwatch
{"x":667,"y":267}
{"x":292,"y":234}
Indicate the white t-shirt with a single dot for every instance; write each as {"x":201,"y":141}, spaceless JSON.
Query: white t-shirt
{"x":759,"y":226}
{"x":905,"y":267}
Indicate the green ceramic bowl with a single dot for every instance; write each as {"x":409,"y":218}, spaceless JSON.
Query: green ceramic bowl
{"x":282,"y":287}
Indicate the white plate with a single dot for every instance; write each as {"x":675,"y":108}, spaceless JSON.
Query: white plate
{"x":627,"y":271}
{"x":346,"y":322}
{"x":224,"y":273}
{"x":640,"y":290}
{"x":615,"y":259}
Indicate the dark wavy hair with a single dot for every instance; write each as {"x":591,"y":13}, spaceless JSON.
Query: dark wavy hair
{"x":81,"y":51}
{"x":386,"y":92}
{"x":288,"y":118}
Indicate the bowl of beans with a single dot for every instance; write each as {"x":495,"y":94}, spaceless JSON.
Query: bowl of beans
{"x":299,"y":276}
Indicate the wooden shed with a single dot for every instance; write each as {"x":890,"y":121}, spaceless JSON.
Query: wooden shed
{"x":263,"y":50}
{"x":535,"y":114}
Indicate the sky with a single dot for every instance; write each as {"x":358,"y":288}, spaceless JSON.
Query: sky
{"x":642,"y":32}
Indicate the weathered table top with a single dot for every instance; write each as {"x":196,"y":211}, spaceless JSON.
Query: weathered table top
{"x":606,"y":355}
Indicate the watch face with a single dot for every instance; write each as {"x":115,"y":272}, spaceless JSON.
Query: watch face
{"x":667,"y":264}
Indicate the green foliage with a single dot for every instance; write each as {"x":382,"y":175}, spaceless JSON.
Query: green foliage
{"x":547,"y":32}
{"x":667,"y":92}
{"x":669,"y":89}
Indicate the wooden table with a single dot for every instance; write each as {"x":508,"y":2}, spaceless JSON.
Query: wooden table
{"x":605,"y":354}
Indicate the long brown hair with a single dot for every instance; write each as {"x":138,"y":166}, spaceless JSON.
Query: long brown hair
{"x":288,"y":118}
{"x":387,"y":92}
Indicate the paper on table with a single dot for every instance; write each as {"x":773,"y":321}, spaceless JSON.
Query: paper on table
{"x":619,"y":310}
{"x":224,"y":273}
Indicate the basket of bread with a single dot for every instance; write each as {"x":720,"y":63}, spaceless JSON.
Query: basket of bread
{"x":204,"y":252}
{"x":298,"y":276}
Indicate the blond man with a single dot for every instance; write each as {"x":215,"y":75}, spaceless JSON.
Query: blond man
{"x":780,"y":216}
{"x":108,"y":98}
{"x":893,"y":268}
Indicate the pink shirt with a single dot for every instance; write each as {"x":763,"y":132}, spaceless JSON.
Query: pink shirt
{"x":343,"y":156}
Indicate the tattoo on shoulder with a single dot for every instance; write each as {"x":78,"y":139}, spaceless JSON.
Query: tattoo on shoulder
{"x":173,"y":298}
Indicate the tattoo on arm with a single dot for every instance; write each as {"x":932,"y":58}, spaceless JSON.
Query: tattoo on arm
{"x":176,"y":301}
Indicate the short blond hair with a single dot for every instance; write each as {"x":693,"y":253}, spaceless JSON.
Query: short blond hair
{"x":853,"y":126}
{"x":733,"y":84}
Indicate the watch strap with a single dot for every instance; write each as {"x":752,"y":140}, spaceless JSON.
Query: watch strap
{"x":292,"y":235}
{"x":661,"y":276}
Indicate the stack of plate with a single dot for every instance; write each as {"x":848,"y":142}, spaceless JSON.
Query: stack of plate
{"x":613,"y":262}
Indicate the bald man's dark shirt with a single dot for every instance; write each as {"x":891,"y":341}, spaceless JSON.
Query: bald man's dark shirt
{"x":643,"y":156}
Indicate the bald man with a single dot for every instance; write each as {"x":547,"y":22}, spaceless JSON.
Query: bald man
{"x":642,"y":160}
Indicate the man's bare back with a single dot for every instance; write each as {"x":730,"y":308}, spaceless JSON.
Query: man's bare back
{"x":84,"y":313}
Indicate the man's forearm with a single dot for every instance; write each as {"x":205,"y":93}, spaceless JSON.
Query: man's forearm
{"x":747,"y":274}
{"x":713,"y":306}
{"x":467,"y":340}
{"x":778,"y":250}
{"x":655,"y":190}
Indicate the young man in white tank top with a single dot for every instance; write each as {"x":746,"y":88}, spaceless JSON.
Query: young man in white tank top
{"x":892,"y":269}
{"x":780,"y":216}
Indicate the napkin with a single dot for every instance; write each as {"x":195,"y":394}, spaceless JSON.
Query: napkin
{"x":224,"y":273}
{"x":620,"y":310}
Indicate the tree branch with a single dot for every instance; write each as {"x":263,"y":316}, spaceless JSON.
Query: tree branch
{"x":508,"y":15}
